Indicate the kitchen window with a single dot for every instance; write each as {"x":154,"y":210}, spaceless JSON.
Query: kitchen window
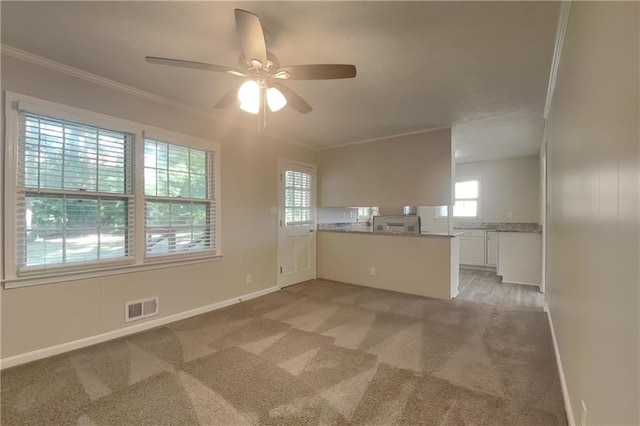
{"x":467,"y":200}
{"x":94,"y":194}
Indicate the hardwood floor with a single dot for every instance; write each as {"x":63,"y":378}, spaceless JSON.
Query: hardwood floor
{"x":485,"y":287}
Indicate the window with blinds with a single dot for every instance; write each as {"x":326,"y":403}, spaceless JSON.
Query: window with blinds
{"x":297,"y":198}
{"x":179,"y":199}
{"x":91,"y":194}
{"x":74,"y":196}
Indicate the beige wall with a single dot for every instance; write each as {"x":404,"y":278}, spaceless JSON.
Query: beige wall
{"x":507,"y":185}
{"x":592,"y":252}
{"x":414,"y":265}
{"x":38,"y":317}
{"x":390,"y":173}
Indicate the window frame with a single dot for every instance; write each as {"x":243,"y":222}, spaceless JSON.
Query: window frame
{"x":9,"y":273}
{"x":308,"y":190}
{"x":450,"y":214}
{"x":23,"y":193}
{"x":213,"y":166}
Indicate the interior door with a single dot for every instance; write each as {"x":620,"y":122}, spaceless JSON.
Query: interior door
{"x":297,"y":222}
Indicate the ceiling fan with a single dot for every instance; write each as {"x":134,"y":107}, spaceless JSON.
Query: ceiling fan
{"x":261,"y":72}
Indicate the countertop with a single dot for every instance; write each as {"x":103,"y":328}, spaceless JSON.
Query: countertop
{"x":499,"y":226}
{"x":356,"y":228}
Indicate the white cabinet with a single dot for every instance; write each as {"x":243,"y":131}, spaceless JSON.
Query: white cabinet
{"x":472,"y":248}
{"x":520,"y":257}
{"x":492,"y":248}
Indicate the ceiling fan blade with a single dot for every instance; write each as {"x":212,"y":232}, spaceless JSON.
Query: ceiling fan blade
{"x":251,"y":36}
{"x":228,"y":99}
{"x":319,"y":71}
{"x":194,"y":65}
{"x":294,"y":100}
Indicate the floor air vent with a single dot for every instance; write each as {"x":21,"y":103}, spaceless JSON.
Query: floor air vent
{"x":140,"y":309}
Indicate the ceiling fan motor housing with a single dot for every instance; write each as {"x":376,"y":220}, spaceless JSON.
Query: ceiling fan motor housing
{"x":270,"y":66}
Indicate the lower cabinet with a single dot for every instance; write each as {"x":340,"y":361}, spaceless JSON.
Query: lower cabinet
{"x":517,"y":256}
{"x":520,"y":257}
{"x":492,"y":248}
{"x":472,"y":248}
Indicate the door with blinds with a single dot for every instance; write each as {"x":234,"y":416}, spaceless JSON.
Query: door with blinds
{"x":296,"y":222}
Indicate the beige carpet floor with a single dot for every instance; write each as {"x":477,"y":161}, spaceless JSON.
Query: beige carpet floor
{"x":316,"y":353}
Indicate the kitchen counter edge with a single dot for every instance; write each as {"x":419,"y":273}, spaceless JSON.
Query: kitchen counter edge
{"x":394,"y":234}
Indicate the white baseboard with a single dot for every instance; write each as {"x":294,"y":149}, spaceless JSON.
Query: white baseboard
{"x":563,"y":382}
{"x":520,"y":283}
{"x":478,"y":267}
{"x":121,"y":332}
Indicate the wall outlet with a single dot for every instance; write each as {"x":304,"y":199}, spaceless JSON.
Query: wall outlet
{"x":509,"y":214}
{"x":249,"y":278}
{"x":583,"y":421}
{"x":372,"y":271}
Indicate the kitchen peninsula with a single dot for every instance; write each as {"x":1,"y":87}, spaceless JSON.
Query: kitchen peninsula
{"x":423,"y":264}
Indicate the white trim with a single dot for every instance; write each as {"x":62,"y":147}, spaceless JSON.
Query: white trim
{"x":478,"y":267}
{"x":543,"y":206}
{"x":10,"y":180}
{"x":565,"y":7}
{"x":520,"y":283}
{"x":563,"y":381}
{"x":66,"y":275}
{"x":381,"y":138}
{"x":284,"y":160}
{"x":313,"y":169}
{"x":125,"y":331}
{"x":17,"y":102}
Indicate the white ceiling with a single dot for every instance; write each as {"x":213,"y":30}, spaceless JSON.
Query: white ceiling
{"x":481,"y":67}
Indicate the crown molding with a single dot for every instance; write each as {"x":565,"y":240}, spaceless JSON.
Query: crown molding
{"x":124,"y":88}
{"x":565,"y":8}
{"x":96,"y":79}
{"x":397,"y":135}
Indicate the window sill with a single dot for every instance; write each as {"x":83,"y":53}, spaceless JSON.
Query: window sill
{"x":113,"y":270}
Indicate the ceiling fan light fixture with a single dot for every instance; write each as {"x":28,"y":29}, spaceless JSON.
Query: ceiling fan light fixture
{"x":275,"y":99}
{"x":249,"y":96}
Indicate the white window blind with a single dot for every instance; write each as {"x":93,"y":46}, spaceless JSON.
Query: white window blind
{"x":74,"y":194}
{"x":179,"y":199}
{"x":297,"y":198}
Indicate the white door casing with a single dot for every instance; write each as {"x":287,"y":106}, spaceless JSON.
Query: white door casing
{"x":296,"y":222}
